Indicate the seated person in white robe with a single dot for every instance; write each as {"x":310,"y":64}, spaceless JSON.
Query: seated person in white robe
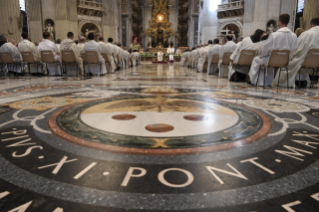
{"x":48,"y":45}
{"x":160,"y":56}
{"x":230,"y":46}
{"x":26,"y":46}
{"x":211,"y":68}
{"x":92,"y":45}
{"x":69,"y":44}
{"x":117,"y":56}
{"x":191,"y":58}
{"x":307,"y":40}
{"x":125,"y":57}
{"x":121,"y":56}
{"x":105,"y":49}
{"x":196,"y":57}
{"x":8,"y":47}
{"x":239,"y":73}
{"x":282,"y":39}
{"x":203,"y":56}
{"x":185,"y":58}
{"x":81,"y":44}
{"x":112,"y":50}
{"x":58,"y":45}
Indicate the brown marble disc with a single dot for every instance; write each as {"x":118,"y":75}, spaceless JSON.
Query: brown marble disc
{"x":195,"y":117}
{"x":124,"y":117}
{"x":159,"y":128}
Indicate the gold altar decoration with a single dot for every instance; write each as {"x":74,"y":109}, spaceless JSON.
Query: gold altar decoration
{"x":160,"y":21}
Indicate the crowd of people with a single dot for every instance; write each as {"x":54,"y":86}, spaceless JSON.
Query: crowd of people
{"x":298,"y":44}
{"x":111,"y":55}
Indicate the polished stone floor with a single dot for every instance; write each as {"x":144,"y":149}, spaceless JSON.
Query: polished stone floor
{"x":156,"y":138}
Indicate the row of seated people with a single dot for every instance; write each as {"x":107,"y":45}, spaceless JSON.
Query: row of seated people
{"x":263,"y":45}
{"x":116,"y":56}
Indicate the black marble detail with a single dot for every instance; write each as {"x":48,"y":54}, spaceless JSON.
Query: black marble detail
{"x":21,"y":147}
{"x":4,"y":109}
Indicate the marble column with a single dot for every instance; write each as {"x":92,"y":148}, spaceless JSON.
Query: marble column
{"x":208,"y":19}
{"x":35,"y":20}
{"x":10,"y":8}
{"x":147,"y":18}
{"x":66,"y":19}
{"x":173,"y":18}
{"x":311,"y":11}
{"x":110,"y":19}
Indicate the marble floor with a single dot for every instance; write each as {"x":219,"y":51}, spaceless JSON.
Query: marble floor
{"x":156,"y":137}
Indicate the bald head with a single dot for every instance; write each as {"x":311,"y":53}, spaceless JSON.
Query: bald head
{"x":11,"y":41}
{"x":82,"y":39}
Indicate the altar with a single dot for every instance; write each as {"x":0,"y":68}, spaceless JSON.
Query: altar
{"x":156,"y":50}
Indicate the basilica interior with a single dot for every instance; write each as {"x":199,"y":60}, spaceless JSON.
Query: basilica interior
{"x":220,"y":99}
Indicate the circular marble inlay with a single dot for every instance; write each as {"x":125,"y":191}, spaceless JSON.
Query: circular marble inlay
{"x":195,"y":117}
{"x":124,"y":117}
{"x":165,"y":125}
{"x":159,"y":128}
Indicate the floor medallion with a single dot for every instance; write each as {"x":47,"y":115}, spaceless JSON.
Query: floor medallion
{"x":141,"y":124}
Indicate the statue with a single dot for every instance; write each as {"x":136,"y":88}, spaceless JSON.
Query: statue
{"x":234,"y":36}
{"x":50,"y":29}
{"x":271,"y":29}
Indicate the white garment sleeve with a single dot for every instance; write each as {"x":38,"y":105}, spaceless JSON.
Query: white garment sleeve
{"x":267,"y":46}
{"x":232,"y":57}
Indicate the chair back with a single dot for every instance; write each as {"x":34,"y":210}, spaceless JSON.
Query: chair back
{"x":6,"y":58}
{"x":215,"y":59}
{"x":106,"y":58}
{"x":246,"y":57}
{"x":226,"y":58}
{"x":91,"y":57}
{"x":68,"y":56}
{"x":312,"y":59}
{"x":83,"y":58}
{"x":279,"y":58}
{"x":27,"y":57}
{"x":47,"y":57}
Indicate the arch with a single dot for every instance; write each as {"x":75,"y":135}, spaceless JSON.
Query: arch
{"x":83,"y":22}
{"x":48,"y":21}
{"x":272,"y":21}
{"x":237,"y":23}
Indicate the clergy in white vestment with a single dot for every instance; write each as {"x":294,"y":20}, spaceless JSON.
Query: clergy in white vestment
{"x":105,"y":49}
{"x":68,"y":44}
{"x":48,"y":45}
{"x":8,"y":47}
{"x":92,"y":45}
{"x":196,"y":57}
{"x":160,"y":56}
{"x":185,"y":58}
{"x":81,"y":44}
{"x":119,"y":50}
{"x":58,"y":45}
{"x":282,"y":39}
{"x":171,"y":52}
{"x":26,"y":46}
{"x":306,"y":41}
{"x":230,"y":46}
{"x":213,"y":51}
{"x":191,"y":58}
{"x":112,"y":50}
{"x":238,"y":73}
{"x":203,"y":56}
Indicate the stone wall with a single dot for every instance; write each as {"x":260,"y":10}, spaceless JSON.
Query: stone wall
{"x":10,"y":8}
